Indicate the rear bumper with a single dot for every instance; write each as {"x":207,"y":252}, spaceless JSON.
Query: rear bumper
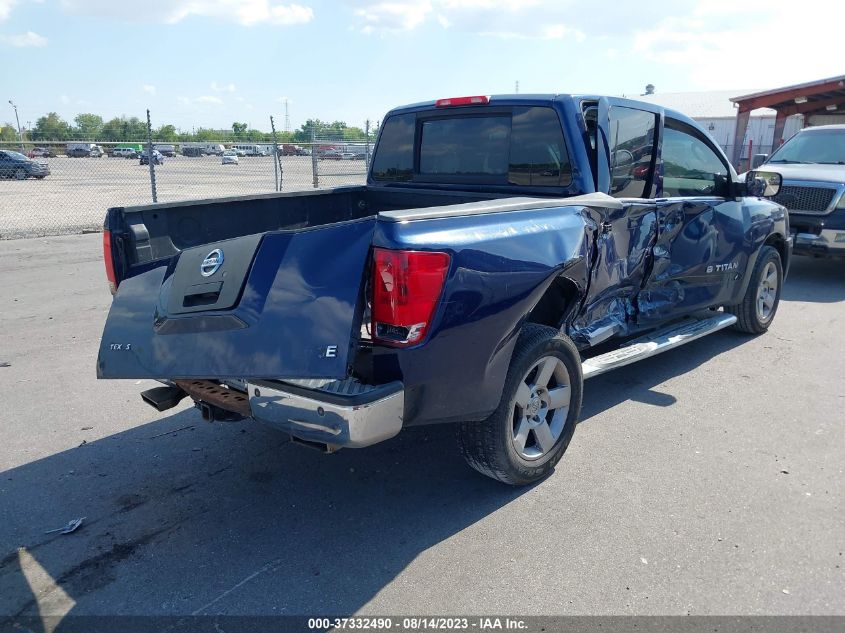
{"x":366,"y":417}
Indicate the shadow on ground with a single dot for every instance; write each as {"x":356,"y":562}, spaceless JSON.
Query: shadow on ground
{"x":209,"y":506}
{"x":816,"y":280}
{"x":182,"y":516}
{"x":185,"y":518}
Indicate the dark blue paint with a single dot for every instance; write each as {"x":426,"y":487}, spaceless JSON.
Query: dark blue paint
{"x":631,"y":269}
{"x":294,"y":306}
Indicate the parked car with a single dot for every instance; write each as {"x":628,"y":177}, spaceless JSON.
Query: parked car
{"x":480,"y":275}
{"x":84,"y":150}
{"x":812,"y":165}
{"x":166,"y":149}
{"x":16,"y":165}
{"x":192,"y":151}
{"x":331,"y":154}
{"x":41,"y":152}
{"x":238,"y":151}
{"x":288,"y":149}
{"x":124,"y":152}
{"x":158,"y":158}
{"x":230,"y":157}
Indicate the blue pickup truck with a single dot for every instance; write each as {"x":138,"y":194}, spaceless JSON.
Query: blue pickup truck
{"x":503,"y":250}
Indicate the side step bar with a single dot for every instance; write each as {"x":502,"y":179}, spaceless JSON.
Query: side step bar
{"x":655,"y":343}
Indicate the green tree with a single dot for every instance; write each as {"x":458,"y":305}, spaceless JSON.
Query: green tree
{"x":239,"y":129}
{"x":166,"y":133}
{"x":123,"y":129}
{"x":8,"y":133}
{"x":51,"y":127}
{"x":88,"y":126}
{"x":205,"y":134}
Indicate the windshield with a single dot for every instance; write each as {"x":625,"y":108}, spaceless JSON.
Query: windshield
{"x":824,"y":147}
{"x":15,"y":155}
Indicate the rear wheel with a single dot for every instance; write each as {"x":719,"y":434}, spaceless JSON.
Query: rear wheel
{"x":526,"y":436}
{"x":757,"y":309}
{"x":20,"y":174}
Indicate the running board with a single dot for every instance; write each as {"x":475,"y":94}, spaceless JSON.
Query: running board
{"x":655,"y":343}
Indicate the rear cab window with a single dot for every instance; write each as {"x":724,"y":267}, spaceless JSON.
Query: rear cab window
{"x":521,"y":145}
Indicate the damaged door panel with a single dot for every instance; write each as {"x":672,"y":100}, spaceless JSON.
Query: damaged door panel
{"x":621,"y":263}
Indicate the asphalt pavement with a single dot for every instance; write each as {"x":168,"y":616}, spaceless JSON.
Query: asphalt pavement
{"x":707,"y":480}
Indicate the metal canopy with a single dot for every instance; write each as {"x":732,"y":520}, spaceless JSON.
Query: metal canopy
{"x":814,"y":97}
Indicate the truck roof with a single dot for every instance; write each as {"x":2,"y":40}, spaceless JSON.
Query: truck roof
{"x":548,"y":99}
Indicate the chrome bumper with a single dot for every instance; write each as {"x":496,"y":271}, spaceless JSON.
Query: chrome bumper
{"x":828,"y":242}
{"x":351,"y":418}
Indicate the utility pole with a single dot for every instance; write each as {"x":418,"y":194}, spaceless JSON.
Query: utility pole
{"x":287,"y":117}
{"x":516,"y":88}
{"x":150,"y":156}
{"x":20,"y":134}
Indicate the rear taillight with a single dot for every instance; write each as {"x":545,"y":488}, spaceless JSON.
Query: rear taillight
{"x":406,"y":287}
{"x":109,"y":261}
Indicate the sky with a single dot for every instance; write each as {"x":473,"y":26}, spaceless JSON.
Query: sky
{"x":208,"y":63}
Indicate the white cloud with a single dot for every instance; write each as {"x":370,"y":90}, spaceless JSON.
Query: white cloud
{"x":243,"y":12}
{"x":549,"y":32}
{"x":6,"y":8}
{"x":509,"y":19}
{"x":24,"y":40}
{"x":64,"y":99}
{"x":209,"y":99}
{"x":183,"y":101}
{"x":394,"y":16}
{"x":222,"y":87}
{"x":149,"y":89}
{"x":714,"y":52}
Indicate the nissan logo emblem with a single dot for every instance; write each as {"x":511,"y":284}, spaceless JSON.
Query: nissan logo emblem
{"x":212,"y":262}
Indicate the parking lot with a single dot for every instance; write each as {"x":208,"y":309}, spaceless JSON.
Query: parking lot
{"x":75,"y":196}
{"x":708,"y":480}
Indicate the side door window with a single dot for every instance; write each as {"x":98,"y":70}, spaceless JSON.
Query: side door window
{"x":631,"y":151}
{"x":690,"y":166}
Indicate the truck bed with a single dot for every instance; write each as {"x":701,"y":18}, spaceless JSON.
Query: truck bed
{"x":151,"y":232}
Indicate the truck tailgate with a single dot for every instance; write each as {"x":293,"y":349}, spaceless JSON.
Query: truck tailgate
{"x":276,"y":305}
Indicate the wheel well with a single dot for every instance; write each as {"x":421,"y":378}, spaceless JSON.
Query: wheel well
{"x":556,"y":304}
{"x":779,"y":243}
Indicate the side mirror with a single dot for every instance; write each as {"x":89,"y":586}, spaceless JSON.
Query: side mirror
{"x":763,"y":184}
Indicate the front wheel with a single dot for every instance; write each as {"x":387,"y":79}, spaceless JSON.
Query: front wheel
{"x":757,"y":309}
{"x":525,"y":437}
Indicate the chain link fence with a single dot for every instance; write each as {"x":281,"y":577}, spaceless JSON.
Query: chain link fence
{"x":81,"y":179}
{"x":66,"y":187}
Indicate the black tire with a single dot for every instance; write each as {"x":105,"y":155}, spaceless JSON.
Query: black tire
{"x":20,"y":174}
{"x":490,"y":446}
{"x":752,"y":316}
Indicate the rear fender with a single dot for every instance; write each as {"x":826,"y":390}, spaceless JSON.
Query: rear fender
{"x":503,"y":264}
